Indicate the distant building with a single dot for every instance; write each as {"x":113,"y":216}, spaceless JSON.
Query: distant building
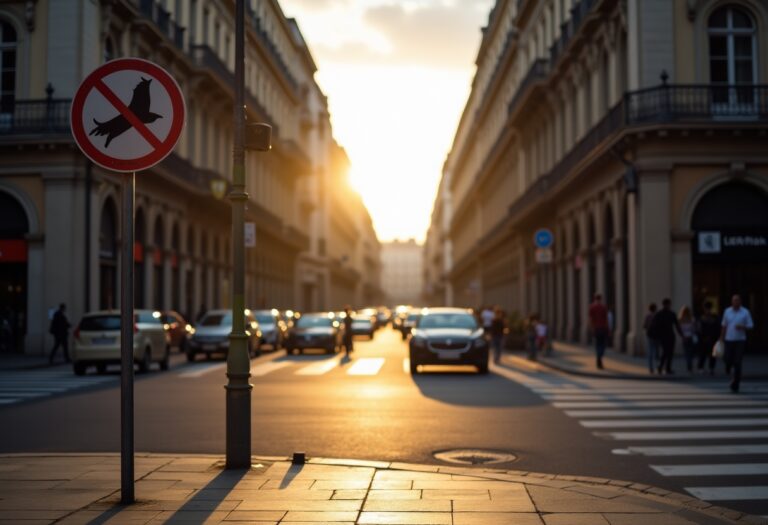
{"x":401,"y":272}
{"x":636,"y":132}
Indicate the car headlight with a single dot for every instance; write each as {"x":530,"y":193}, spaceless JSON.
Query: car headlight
{"x":419,"y":342}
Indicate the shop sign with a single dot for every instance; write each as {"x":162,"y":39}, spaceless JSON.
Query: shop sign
{"x":13,"y":250}
{"x":725,"y":243}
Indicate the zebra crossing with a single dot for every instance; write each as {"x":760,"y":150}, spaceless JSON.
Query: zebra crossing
{"x":17,"y":386}
{"x":710,"y":441}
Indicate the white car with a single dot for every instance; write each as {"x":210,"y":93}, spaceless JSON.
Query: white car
{"x":97,"y":341}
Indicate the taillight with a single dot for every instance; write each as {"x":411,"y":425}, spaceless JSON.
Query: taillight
{"x":135,"y":328}
{"x":77,"y":332}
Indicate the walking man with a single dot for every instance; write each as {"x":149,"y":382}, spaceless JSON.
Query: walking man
{"x":60,"y":332}
{"x":650,"y":342}
{"x":736,"y":321}
{"x":709,"y":333}
{"x":598,"y":324}
{"x":348,"y":336}
{"x":664,"y":325}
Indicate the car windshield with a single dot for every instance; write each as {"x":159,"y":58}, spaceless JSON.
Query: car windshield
{"x":100,"y":323}
{"x":216,"y":320}
{"x":414,"y":317}
{"x":463,"y":321}
{"x":265,"y":319}
{"x":314,"y":322}
{"x":361,"y":321}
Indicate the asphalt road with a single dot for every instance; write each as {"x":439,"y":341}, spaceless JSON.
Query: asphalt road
{"x":370,"y":407}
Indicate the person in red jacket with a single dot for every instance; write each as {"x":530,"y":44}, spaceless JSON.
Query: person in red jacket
{"x":598,"y":324}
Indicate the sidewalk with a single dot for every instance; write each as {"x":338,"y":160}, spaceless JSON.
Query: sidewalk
{"x":28,"y":362}
{"x":84,"y":488}
{"x":580,"y":360}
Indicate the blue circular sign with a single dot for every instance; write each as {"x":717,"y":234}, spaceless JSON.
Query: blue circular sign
{"x":543,"y":238}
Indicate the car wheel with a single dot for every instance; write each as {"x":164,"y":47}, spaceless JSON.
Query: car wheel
{"x":146,"y":360}
{"x":482,"y":368}
{"x":165,"y":363}
{"x":190,"y":356}
{"x":79,"y":369}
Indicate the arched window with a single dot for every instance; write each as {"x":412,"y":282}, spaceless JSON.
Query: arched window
{"x":8,"y":42}
{"x":732,"y":53}
{"x":108,"y":256}
{"x":109,"y":50}
{"x":158,"y":284}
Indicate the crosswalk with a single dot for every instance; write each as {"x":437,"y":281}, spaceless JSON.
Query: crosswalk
{"x":18,"y":386}
{"x":711,"y":441}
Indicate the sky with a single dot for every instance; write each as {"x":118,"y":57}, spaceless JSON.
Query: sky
{"x":397,"y":75}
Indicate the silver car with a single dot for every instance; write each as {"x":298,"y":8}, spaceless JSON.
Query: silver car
{"x":273,"y":328}
{"x":211,"y":334}
{"x":97,"y":341}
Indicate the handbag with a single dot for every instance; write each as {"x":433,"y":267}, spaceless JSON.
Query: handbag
{"x":718,"y":350}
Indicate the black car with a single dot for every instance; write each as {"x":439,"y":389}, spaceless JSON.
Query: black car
{"x":314,"y":331}
{"x":448,"y":336}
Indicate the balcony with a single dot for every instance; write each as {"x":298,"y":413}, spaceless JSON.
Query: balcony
{"x":49,"y":116}
{"x":568,"y":29}
{"x":262,"y":35}
{"x":161,"y":17}
{"x":537,"y":73}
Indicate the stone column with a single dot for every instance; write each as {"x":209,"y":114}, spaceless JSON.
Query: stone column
{"x":618,"y":310}
{"x":583,"y":330}
{"x":636,"y":308}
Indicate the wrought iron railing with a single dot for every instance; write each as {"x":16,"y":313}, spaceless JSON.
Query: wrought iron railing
{"x":569,"y":28}
{"x":261,"y":33}
{"x":537,"y":72}
{"x":43,"y":116}
{"x":161,"y":17}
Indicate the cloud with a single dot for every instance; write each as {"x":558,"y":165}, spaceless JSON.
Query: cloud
{"x":316,"y":5}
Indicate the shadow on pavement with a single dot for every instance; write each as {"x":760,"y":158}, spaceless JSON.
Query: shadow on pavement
{"x":290,"y":475}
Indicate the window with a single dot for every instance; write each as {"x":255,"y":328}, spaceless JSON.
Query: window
{"x":732,"y":60}
{"x":7,"y":67}
{"x":109,"y":50}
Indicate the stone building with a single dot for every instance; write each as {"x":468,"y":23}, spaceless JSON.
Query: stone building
{"x":59,"y":213}
{"x":402,"y":272}
{"x":635,"y":131}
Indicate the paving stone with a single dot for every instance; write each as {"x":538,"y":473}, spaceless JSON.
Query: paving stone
{"x":401,"y":484}
{"x":255,"y":515}
{"x":349,"y":494}
{"x":511,"y":505}
{"x":575,"y":519}
{"x":554,"y":500}
{"x":18,"y":515}
{"x":307,"y":505}
{"x":338,"y":484}
{"x":414,"y":467}
{"x":647,"y":519}
{"x":460,"y":494}
{"x":405,"y":518}
{"x":188,"y":505}
{"x":408,"y":505}
{"x":600,"y":492}
{"x":255,"y":495}
{"x":131,"y":517}
{"x":300,"y":516}
{"x":201,"y":517}
{"x":303,"y":484}
{"x":496,"y":518}
{"x":352,"y":463}
{"x":410,"y":476}
{"x":394,"y":494}
{"x":457,"y":484}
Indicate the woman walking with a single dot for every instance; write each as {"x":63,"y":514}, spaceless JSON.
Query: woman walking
{"x":688,"y":332}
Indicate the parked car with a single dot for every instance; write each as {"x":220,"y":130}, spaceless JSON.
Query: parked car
{"x":211,"y":334}
{"x":362,"y":325}
{"x":445,"y":336}
{"x":409,"y":323}
{"x":97,"y":341}
{"x":273,"y":329}
{"x":383,"y":317}
{"x":317,"y":330}
{"x":177,"y":327}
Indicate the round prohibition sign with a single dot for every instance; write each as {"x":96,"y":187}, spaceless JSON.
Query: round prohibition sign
{"x":141,"y":131}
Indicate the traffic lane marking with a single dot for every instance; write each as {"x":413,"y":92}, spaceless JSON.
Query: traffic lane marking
{"x":672,"y":412}
{"x":714,"y":469}
{"x":754,"y":492}
{"x":684,"y":435}
{"x":697,"y":450}
{"x":366,"y":366}
{"x":657,"y":404}
{"x":666,"y":423}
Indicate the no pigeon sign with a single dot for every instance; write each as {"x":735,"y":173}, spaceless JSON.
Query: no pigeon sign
{"x":127,"y":115}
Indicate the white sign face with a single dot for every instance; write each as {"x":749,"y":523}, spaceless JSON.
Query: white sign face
{"x":250,"y":235}
{"x":544,"y":256}
{"x":127,"y":115}
{"x":710,"y":242}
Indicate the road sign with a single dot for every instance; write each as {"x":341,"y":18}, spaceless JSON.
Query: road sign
{"x":544,"y":256}
{"x":543,"y":238}
{"x":127,"y":115}
{"x":250,"y":235}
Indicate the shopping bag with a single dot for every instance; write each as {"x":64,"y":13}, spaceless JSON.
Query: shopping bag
{"x":718,"y":350}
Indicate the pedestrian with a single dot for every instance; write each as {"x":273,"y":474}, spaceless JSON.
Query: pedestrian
{"x":530,"y":332}
{"x":663,"y":327}
{"x":348,"y":336}
{"x":59,"y":329}
{"x":736,"y":321}
{"x":688,"y":329}
{"x":652,"y":345}
{"x":541,"y":336}
{"x":709,"y":332}
{"x":598,"y":324}
{"x":486,"y":317}
{"x":498,"y":326}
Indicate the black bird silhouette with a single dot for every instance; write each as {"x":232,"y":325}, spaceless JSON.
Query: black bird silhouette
{"x":139,"y":105}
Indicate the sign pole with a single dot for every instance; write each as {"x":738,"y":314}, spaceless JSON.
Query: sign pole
{"x":238,"y":388}
{"x":126,"y":342}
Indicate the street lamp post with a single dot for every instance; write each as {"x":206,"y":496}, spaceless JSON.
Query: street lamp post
{"x":238,"y":388}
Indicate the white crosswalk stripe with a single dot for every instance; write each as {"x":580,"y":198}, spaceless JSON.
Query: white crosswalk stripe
{"x":25,"y":385}
{"x":366,"y":366}
{"x":319,"y":368}
{"x":690,"y":420}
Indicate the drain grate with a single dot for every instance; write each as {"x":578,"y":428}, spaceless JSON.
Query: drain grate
{"x":474,"y":456}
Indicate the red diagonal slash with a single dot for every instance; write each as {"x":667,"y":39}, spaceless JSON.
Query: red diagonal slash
{"x":128,"y":114}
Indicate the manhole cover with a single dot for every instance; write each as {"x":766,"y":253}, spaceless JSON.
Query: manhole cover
{"x":474,"y":456}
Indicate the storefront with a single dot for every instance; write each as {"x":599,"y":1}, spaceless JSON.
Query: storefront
{"x":13,"y":273}
{"x":730,"y":253}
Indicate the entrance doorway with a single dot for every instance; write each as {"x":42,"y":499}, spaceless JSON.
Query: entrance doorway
{"x":730,"y":254}
{"x":13,"y":274}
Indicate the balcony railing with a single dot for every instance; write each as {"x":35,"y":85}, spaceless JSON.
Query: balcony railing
{"x":43,"y":116}
{"x":568,"y":29}
{"x":664,"y":104}
{"x":261,"y":33}
{"x":537,"y":72}
{"x":162,"y":19}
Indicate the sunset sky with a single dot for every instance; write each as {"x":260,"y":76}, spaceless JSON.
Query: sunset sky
{"x":397,"y":75}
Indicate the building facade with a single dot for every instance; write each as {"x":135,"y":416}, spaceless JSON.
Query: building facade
{"x":59,"y":213}
{"x":402,"y":275}
{"x":635,"y":131}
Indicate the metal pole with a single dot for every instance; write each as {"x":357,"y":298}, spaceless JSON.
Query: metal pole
{"x":126,"y":343}
{"x":238,"y":389}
